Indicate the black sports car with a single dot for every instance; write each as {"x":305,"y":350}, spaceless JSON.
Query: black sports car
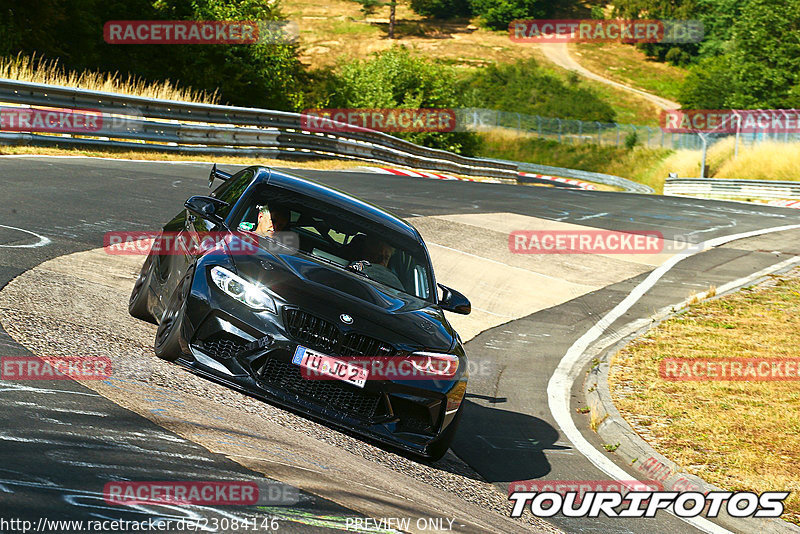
{"x":303,"y":290}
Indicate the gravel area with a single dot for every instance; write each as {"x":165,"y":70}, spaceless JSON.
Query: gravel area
{"x":53,"y":312}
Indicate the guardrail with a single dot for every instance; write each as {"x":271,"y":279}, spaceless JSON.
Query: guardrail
{"x":600,"y":178}
{"x":732,"y":189}
{"x":173,"y":126}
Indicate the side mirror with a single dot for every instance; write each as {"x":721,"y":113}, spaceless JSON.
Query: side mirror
{"x":454,"y":301}
{"x":206,"y":208}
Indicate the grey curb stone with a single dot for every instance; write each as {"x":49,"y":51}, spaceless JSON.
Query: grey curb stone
{"x":636,"y":452}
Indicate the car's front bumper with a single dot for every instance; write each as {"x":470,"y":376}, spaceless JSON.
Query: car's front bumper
{"x":252,"y":352}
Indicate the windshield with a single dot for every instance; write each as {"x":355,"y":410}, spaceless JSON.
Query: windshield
{"x":338,"y":237}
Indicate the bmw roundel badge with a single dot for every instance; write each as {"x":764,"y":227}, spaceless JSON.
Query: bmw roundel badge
{"x":346,"y":319}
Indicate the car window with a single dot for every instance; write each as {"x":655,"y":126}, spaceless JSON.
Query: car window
{"x":232,"y":189}
{"x":339,"y":237}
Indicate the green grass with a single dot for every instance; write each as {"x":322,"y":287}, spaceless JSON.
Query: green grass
{"x":626,"y":64}
{"x":638,"y":164}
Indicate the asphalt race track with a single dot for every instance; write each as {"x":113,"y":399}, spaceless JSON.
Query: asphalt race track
{"x":61,"y":440}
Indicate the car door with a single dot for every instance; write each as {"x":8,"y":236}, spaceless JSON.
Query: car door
{"x":190,"y":230}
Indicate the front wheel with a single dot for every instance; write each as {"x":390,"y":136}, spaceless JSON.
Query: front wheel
{"x":168,"y":336}
{"x":137,"y":304}
{"x":439,"y":447}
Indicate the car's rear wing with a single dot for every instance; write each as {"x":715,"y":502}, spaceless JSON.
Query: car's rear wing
{"x":216,"y":173}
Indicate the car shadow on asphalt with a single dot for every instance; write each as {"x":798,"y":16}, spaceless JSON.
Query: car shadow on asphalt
{"x":504,"y":446}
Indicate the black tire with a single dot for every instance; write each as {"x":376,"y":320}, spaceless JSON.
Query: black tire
{"x":137,"y":304}
{"x":168,"y":336}
{"x":438,"y":448}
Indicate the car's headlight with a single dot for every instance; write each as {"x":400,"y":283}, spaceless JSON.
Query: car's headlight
{"x":240,"y":289}
{"x":435,"y":363}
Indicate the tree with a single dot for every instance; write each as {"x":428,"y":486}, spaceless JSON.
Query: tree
{"x":263,"y":75}
{"x":368,"y":7}
{"x":757,"y":67}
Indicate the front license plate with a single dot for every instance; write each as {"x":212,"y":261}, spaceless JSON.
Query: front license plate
{"x":323,"y":367}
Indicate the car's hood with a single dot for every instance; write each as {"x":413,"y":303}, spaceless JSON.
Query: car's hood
{"x":328,"y":292}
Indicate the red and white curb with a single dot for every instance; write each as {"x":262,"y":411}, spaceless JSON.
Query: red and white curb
{"x":577,"y":183}
{"x":785,"y":203}
{"x":419,"y":174}
{"x":440,"y":176}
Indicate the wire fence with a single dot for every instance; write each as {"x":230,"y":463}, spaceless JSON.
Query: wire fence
{"x":575,"y":132}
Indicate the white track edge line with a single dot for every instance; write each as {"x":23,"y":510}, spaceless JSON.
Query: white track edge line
{"x":560,"y":383}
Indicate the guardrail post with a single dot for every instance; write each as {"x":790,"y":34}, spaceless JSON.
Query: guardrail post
{"x":705,"y":147}
{"x":617,"y":125}
{"x":559,"y":130}
{"x":580,"y":131}
{"x":649,"y":133}
{"x":539,"y":126}
{"x":599,"y":132}
{"x":519,"y":122}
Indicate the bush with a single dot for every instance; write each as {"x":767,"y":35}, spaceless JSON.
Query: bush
{"x":441,"y":9}
{"x":396,"y":79}
{"x":631,"y":139}
{"x":524,"y":87}
{"x":498,"y":14}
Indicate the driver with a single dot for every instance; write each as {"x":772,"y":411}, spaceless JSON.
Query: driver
{"x":271,"y":221}
{"x":274,"y":223}
{"x":378,"y":253}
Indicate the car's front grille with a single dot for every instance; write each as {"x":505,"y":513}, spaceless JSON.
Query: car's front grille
{"x":354,"y":344}
{"x":312,"y":330}
{"x":223,"y":345}
{"x":323,"y":335}
{"x":331,"y":394}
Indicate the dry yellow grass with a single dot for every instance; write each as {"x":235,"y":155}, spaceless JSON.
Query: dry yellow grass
{"x":38,"y":70}
{"x":764,"y":161}
{"x":338,"y":30}
{"x":736,"y":435}
{"x":321,"y":164}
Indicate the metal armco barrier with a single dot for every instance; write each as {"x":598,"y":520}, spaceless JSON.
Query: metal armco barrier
{"x":600,"y":178}
{"x":172,"y":126}
{"x":732,"y":189}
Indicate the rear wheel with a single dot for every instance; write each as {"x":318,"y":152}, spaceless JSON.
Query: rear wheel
{"x":438,"y":448}
{"x":137,"y":304}
{"x":168,"y":336}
